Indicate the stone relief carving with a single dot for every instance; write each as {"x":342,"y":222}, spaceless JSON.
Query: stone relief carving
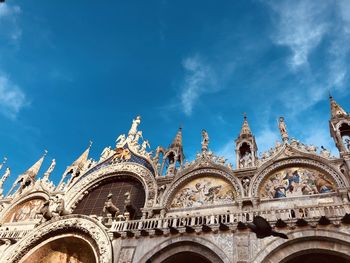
{"x":126,"y":254}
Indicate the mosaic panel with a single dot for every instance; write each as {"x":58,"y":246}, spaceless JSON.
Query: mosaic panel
{"x":204,"y":191}
{"x":296,"y":181}
{"x":25,"y":211}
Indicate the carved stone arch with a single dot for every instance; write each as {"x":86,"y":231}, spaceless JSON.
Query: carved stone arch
{"x":194,"y":174}
{"x":72,"y":225}
{"x":299,"y":161}
{"x":173,"y":245}
{"x":299,"y":242}
{"x":23,"y":199}
{"x":140,"y":173}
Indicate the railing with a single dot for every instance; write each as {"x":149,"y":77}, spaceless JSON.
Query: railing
{"x":307,"y":213}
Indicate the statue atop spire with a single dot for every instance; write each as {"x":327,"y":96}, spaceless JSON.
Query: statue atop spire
{"x":3,"y":179}
{"x":283,"y":129}
{"x":49,"y":170}
{"x":205,"y":141}
{"x":133,"y":130}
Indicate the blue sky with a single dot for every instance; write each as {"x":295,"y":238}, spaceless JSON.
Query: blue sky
{"x":81,"y":70}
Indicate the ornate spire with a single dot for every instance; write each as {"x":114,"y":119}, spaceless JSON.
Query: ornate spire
{"x":34,"y":170}
{"x":336,"y":109}
{"x":177,"y":142}
{"x":79,"y":163}
{"x":245,"y":127}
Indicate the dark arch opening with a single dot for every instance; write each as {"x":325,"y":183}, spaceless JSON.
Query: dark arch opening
{"x":186,"y":256}
{"x":183,"y":252}
{"x":93,"y":202}
{"x":318,"y":257}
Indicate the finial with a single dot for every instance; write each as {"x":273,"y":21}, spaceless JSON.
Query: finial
{"x":330,"y":95}
{"x":244,"y":115}
{"x":45,"y":153}
{"x":90,"y":143}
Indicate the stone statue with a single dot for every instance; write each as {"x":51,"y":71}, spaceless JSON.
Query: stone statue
{"x":49,"y":170}
{"x":144,"y":146}
{"x":283,"y":129}
{"x":311,"y":148}
{"x":105,"y":153}
{"x":161,"y":190}
{"x":120,"y":140}
{"x":324,"y":152}
{"x":205,"y":141}
{"x":45,"y":211}
{"x":246,"y":160}
{"x":133,"y":130}
{"x":5,"y":176}
{"x":137,"y":137}
{"x":347,"y":141}
{"x":245,"y":183}
{"x":60,"y":209}
{"x":109,"y":207}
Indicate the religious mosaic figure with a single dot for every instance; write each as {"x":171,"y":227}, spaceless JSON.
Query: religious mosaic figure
{"x":292,"y":182}
{"x":26,"y":211}
{"x":204,"y":191}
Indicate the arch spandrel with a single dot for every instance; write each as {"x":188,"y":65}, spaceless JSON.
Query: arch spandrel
{"x":202,"y":187}
{"x":138,"y":172}
{"x":314,"y":175}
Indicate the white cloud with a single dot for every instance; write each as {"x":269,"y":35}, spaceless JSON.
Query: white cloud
{"x":9,"y":15}
{"x":266,"y":139}
{"x":228,"y":151}
{"x":199,"y":79}
{"x":12,"y":98}
{"x":301,"y":26}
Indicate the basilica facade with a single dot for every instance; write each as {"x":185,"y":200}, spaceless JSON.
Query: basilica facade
{"x":135,"y":205}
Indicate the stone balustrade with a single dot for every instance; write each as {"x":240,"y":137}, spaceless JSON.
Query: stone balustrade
{"x":198,"y":223}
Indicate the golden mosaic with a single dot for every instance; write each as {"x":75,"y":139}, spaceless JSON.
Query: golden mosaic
{"x":204,"y":191}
